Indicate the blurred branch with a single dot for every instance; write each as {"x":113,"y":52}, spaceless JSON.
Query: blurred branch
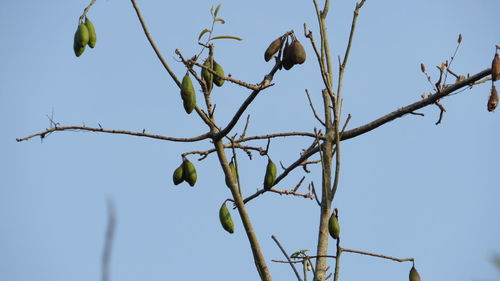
{"x":108,"y":242}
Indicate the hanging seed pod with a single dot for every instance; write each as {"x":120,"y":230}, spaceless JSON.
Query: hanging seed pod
{"x":333,"y":226}
{"x":81,"y":39}
{"x":493,"y":100}
{"x":270,"y":176}
{"x":178,"y":175}
{"x":234,"y":174}
{"x":414,"y":276}
{"x":273,"y":48}
{"x":207,"y":76}
{"x":187,"y":94}
{"x":495,"y":68}
{"x":225,"y":218}
{"x":92,"y":34}
{"x":189,"y":172}
{"x":218,"y":81}
{"x":287,"y":61}
{"x":297,"y":52}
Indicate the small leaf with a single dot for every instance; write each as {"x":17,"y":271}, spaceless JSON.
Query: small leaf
{"x":227,"y":37}
{"x":202,"y":33}
{"x":216,"y":10}
{"x":212,"y":10}
{"x":221,"y":20}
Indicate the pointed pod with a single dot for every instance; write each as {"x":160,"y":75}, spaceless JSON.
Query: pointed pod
{"x":225,"y":218}
{"x":297,"y":52}
{"x":217,"y":68}
{"x":178,"y":175}
{"x":92,"y":34}
{"x":493,"y":99}
{"x":189,"y":172}
{"x":187,"y":94}
{"x":334,"y":226}
{"x":234,"y":174}
{"x":414,"y":276}
{"x":270,"y":176}
{"x":273,"y":48}
{"x":206,"y":75}
{"x":495,"y":68}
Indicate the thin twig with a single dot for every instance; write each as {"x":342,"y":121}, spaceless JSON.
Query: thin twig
{"x":315,"y":195}
{"x":286,"y":256}
{"x":153,"y":44}
{"x":377,"y":255}
{"x":86,"y":10}
{"x":314,"y":110}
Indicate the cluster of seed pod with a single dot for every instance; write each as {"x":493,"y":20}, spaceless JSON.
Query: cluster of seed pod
{"x":185,"y":172}
{"x":84,"y":35}
{"x":291,"y":53}
{"x":209,"y":78}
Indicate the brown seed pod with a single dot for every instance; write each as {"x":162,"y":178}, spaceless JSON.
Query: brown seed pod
{"x":273,"y":48}
{"x":287,"y":60}
{"x":297,"y":52}
{"x":414,"y":276}
{"x":495,"y":68}
{"x":493,"y":100}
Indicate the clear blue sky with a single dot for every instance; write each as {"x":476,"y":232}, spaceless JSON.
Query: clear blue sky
{"x":408,"y":189}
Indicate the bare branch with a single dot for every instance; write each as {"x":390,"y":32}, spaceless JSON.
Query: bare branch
{"x":86,"y":10}
{"x":121,"y":132}
{"x":314,"y":110}
{"x":377,"y":255}
{"x":287,"y":257}
{"x":153,"y":44}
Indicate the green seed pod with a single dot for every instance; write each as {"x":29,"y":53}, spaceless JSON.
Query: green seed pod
{"x":92,"y":34}
{"x":225,"y":218}
{"x":189,"y":172}
{"x":80,"y":40}
{"x":78,"y":49}
{"x":187,"y":94}
{"x":414,"y":276}
{"x":270,"y":176}
{"x":207,"y":76}
{"x":287,"y":60}
{"x":234,"y":173}
{"x":297,"y":52}
{"x":333,"y":226}
{"x":178,"y":175}
{"x":217,"y":81}
{"x":273,"y":48}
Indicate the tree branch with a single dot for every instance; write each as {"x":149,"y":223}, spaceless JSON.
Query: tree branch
{"x":287,"y":257}
{"x":121,"y":132}
{"x":153,"y":44}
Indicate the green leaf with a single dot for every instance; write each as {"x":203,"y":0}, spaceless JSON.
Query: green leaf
{"x":212,"y":10}
{"x":216,"y":10}
{"x":227,"y":37}
{"x":202,"y":33}
{"x":221,"y":20}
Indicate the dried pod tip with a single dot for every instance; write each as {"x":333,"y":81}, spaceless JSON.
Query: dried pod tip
{"x":495,"y":68}
{"x":459,"y":38}
{"x":287,"y":60}
{"x":422,"y":67}
{"x":493,"y":100}
{"x":297,"y":52}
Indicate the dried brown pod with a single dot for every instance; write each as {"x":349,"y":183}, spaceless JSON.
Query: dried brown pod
{"x":273,"y":48}
{"x":297,"y":52}
{"x":459,"y":38}
{"x":287,"y":61}
{"x":422,"y":67}
{"x":493,"y":100}
{"x":495,"y":68}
